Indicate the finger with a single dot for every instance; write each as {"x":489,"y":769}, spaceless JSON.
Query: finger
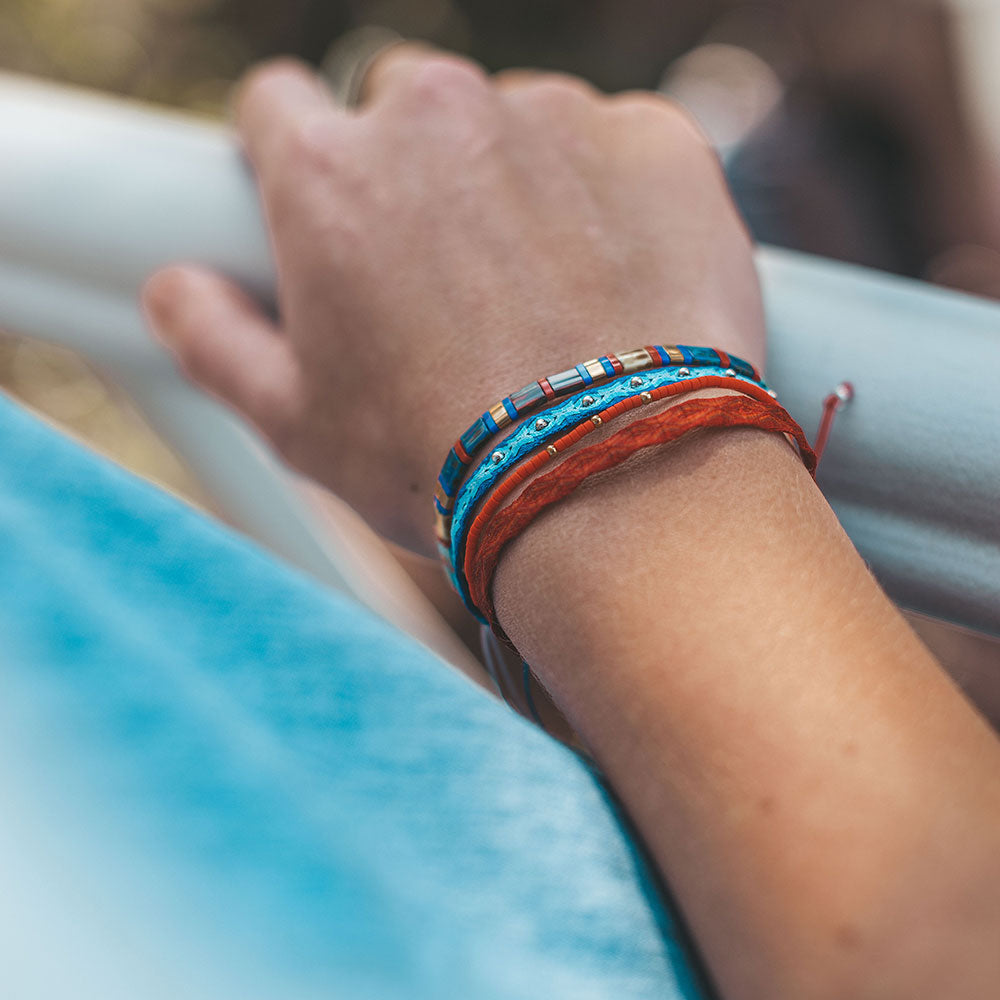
{"x":392,"y":71}
{"x":274,"y":102}
{"x":224,"y":343}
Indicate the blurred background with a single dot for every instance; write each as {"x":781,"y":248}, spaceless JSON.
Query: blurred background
{"x":865,"y":130}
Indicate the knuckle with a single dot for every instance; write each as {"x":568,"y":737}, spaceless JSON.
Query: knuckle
{"x":651,"y":109}
{"x":643,"y":104}
{"x":261,"y":79}
{"x":559,"y":91}
{"x":448,"y":80}
{"x":312,"y":159}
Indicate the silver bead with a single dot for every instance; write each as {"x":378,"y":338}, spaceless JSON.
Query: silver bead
{"x":683,"y":372}
{"x":587,"y":401}
{"x":844,"y":392}
{"x":540,"y":425}
{"x":497,"y":457}
{"x":772,"y":394}
{"x":730,"y":373}
{"x":636,"y":382}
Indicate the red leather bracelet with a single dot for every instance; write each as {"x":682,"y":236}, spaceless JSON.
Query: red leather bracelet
{"x":661,"y":428}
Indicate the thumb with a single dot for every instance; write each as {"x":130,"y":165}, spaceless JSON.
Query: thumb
{"x":225,"y":344}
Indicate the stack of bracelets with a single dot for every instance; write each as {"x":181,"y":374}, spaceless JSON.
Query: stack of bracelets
{"x":474,"y":519}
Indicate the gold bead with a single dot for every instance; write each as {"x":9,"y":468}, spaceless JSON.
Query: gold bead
{"x":552,"y":450}
{"x":596,"y":421}
{"x":646,"y":397}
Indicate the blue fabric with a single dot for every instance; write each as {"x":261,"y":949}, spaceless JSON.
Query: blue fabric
{"x":219,"y":780}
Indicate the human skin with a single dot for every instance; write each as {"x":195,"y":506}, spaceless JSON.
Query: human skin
{"x":822,"y":800}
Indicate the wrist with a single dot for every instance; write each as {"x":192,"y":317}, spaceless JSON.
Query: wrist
{"x":479,"y":548}
{"x":649,"y":538}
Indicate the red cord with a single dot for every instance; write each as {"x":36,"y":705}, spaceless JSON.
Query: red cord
{"x":832,"y":405}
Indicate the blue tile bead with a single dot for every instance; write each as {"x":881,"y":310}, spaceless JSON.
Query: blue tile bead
{"x":527,"y":396}
{"x":451,"y":473}
{"x":566,"y":380}
{"x":475,"y":437}
{"x":704,"y":356}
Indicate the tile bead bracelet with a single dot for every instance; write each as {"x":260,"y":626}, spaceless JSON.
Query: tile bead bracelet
{"x":543,"y":392}
{"x":579,"y":414}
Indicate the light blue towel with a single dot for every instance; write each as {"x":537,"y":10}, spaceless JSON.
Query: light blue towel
{"x":219,"y":780}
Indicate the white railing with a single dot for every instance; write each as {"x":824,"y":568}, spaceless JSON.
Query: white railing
{"x":96,"y":193}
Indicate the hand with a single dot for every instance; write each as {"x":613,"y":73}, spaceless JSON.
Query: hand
{"x":453,"y":239}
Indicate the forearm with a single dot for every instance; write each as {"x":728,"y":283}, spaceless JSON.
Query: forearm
{"x":821,"y":799}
